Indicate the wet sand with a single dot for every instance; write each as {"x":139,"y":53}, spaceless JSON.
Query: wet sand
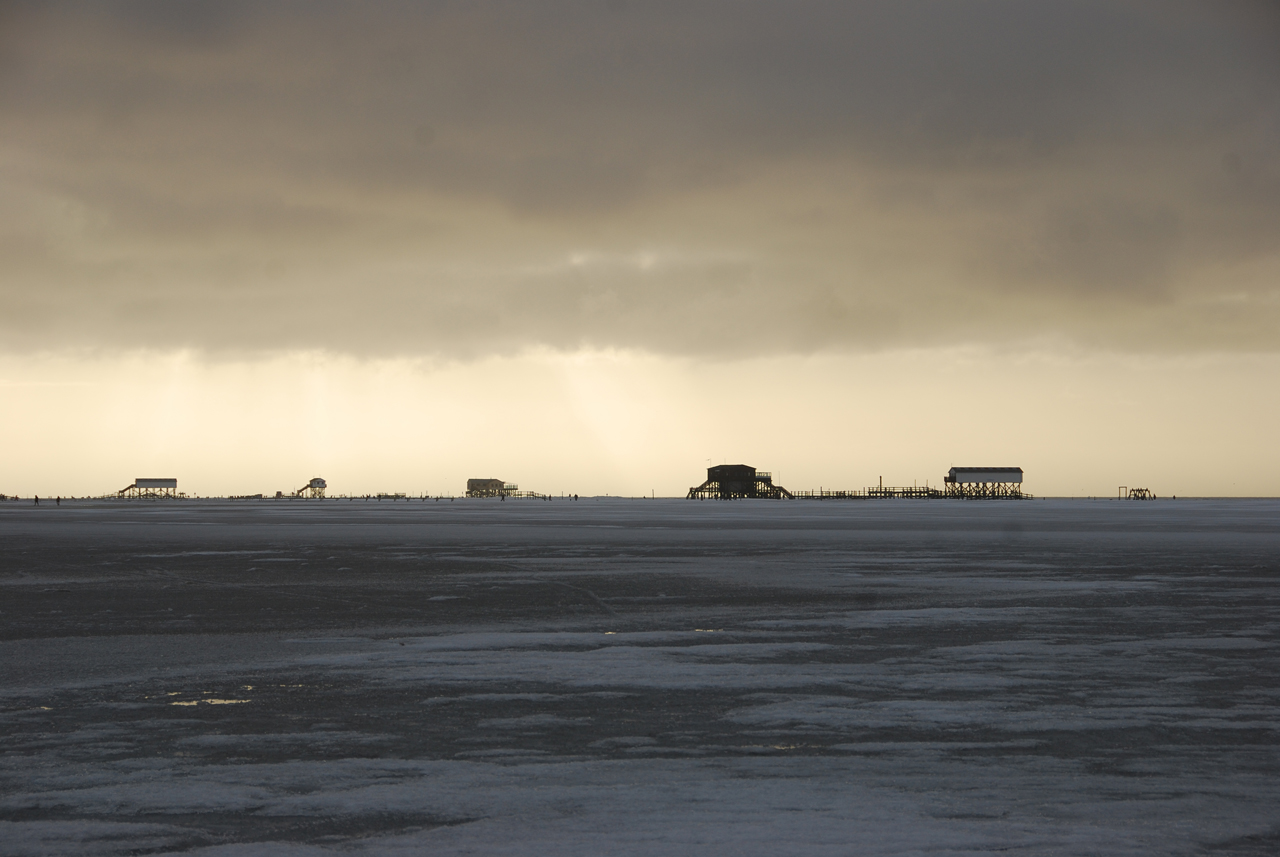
{"x":640,"y":677}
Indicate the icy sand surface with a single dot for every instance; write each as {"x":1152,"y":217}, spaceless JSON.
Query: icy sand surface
{"x":640,"y":677}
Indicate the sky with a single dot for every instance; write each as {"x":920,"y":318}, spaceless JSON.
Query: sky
{"x":591,"y":247}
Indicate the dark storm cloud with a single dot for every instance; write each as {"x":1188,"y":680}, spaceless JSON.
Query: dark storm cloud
{"x":464,"y":177}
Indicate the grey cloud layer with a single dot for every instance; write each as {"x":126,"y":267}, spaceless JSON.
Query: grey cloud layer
{"x":692,"y":178}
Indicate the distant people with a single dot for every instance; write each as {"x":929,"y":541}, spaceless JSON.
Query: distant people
{"x":57,"y":501}
{"x":37,"y":499}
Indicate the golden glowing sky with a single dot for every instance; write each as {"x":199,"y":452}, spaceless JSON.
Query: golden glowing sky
{"x":588,"y":247}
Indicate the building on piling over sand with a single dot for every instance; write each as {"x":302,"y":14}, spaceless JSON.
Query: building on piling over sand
{"x":501,"y":490}
{"x":150,"y":489}
{"x":983,"y":483}
{"x":313,"y":489}
{"x":490,"y":488}
{"x":738,"y":482}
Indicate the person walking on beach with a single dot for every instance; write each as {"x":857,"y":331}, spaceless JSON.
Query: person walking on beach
{"x":37,"y":499}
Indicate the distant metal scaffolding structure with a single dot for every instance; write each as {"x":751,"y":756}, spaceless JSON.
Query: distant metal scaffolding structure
{"x":984,"y":483}
{"x":738,"y":482}
{"x":150,"y":489}
{"x":1136,"y":493}
{"x":313,"y":490}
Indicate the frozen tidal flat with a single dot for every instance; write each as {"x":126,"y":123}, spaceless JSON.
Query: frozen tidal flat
{"x":640,"y":677}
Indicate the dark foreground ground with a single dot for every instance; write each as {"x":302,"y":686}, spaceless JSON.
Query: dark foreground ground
{"x":640,"y":677}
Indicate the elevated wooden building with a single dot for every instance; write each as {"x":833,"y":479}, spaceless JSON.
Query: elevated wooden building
{"x":984,"y":483}
{"x":150,"y":489}
{"x":738,"y":482}
{"x":490,"y":488}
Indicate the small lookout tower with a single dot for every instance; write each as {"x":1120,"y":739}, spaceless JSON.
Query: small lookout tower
{"x":313,"y":490}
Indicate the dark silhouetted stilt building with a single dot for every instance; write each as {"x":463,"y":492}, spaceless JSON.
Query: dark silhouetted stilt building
{"x":984,"y":483}
{"x":490,"y":488}
{"x":150,"y":489}
{"x":500,"y":489}
{"x":738,"y":482}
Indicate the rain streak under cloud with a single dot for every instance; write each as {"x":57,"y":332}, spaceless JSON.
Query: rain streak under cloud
{"x":705,"y":179}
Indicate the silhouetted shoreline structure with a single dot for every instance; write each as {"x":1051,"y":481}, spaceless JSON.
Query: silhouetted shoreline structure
{"x":150,"y":489}
{"x":738,"y":482}
{"x":984,"y":483}
{"x":313,"y":490}
{"x":490,"y":488}
{"x":502,"y":490}
{"x":743,"y":482}
{"x":1136,"y":493}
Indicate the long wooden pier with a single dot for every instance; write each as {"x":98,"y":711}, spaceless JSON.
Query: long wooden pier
{"x":876,"y":492}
